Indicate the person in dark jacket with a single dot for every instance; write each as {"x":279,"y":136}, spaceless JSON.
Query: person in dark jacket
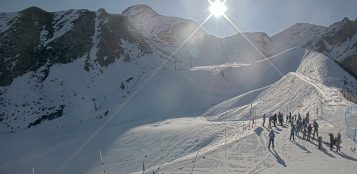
{"x":332,"y":140}
{"x":316,"y":129}
{"x":298,"y":127}
{"x":309,"y":130}
{"x":292,"y":132}
{"x":270,"y":120}
{"x":275,"y":119}
{"x":308,"y":117}
{"x":304,"y":132}
{"x":281,"y":119}
{"x":338,"y":143}
{"x":264,"y":120}
{"x":271,"y":138}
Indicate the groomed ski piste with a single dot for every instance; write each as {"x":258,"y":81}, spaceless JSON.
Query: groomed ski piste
{"x":219,"y":140}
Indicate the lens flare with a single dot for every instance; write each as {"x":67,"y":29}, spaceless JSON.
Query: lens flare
{"x":217,"y":8}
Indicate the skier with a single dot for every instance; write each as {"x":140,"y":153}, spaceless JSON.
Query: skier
{"x":308,"y":117}
{"x":332,"y":140}
{"x":270,"y":120}
{"x":338,"y":143}
{"x":304,"y":131}
{"x":299,"y":118}
{"x":292,"y":131}
{"x":286,"y":119}
{"x":298,"y":127}
{"x":319,"y":139}
{"x":271,"y":138}
{"x":305,"y":125}
{"x":275,"y":120}
{"x":316,"y":129}
{"x":264,"y":120}
{"x":309,"y":130}
{"x":279,"y":118}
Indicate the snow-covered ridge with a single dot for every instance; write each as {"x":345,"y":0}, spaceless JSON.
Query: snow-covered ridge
{"x":315,"y":82}
{"x":144,"y":11}
{"x":162,"y":30}
{"x":297,"y":35}
{"x":6,"y":20}
{"x":337,"y":40}
{"x":336,"y":27}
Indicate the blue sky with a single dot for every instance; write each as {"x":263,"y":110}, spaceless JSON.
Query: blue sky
{"x":270,"y":16}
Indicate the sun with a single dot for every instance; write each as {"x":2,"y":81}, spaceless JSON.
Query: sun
{"x":217,"y":8}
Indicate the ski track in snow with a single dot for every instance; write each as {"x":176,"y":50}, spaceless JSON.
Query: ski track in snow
{"x":331,"y":96}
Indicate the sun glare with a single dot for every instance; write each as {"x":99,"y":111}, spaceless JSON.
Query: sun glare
{"x":217,"y":8}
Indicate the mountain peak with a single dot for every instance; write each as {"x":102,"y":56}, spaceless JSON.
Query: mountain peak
{"x":303,"y":25}
{"x":346,"y":20}
{"x":142,"y":10}
{"x":346,"y":26}
{"x":102,"y":10}
{"x":33,"y":10}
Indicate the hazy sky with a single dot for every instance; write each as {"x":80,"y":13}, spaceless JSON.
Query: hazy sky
{"x":270,"y":16}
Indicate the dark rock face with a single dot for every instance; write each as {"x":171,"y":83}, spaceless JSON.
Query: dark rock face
{"x":75,"y":43}
{"x":22,"y":47}
{"x":340,"y":43}
{"x":341,"y":32}
{"x":58,"y":113}
{"x":114,"y":32}
{"x":346,"y":30}
{"x":19,"y":51}
{"x":350,"y":64}
{"x":33,"y":40}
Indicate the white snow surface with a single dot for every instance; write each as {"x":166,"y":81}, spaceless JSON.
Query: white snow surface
{"x":176,"y":119}
{"x":188,"y":117}
{"x":297,"y":35}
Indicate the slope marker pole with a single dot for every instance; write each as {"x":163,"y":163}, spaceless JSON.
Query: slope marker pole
{"x":194,"y":162}
{"x":162,"y":143}
{"x":101,"y":161}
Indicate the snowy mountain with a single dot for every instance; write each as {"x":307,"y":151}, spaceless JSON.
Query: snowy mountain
{"x":76,"y":82}
{"x":338,"y":41}
{"x":93,"y":46}
{"x":170,"y":32}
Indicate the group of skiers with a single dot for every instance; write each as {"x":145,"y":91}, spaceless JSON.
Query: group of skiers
{"x":335,"y":141}
{"x":299,"y":124}
{"x":303,"y":125}
{"x":273,"y":119}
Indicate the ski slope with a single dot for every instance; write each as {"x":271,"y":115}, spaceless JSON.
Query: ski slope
{"x":187,"y":113}
{"x":250,"y":154}
{"x":170,"y":136}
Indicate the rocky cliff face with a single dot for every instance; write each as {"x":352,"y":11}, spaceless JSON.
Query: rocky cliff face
{"x":338,"y":41}
{"x":38,"y":38}
{"x":34,"y":38}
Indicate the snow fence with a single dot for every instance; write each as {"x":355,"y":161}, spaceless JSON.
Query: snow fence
{"x":351,"y":122}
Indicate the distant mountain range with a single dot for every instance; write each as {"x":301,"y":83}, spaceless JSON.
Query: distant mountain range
{"x":55,"y":63}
